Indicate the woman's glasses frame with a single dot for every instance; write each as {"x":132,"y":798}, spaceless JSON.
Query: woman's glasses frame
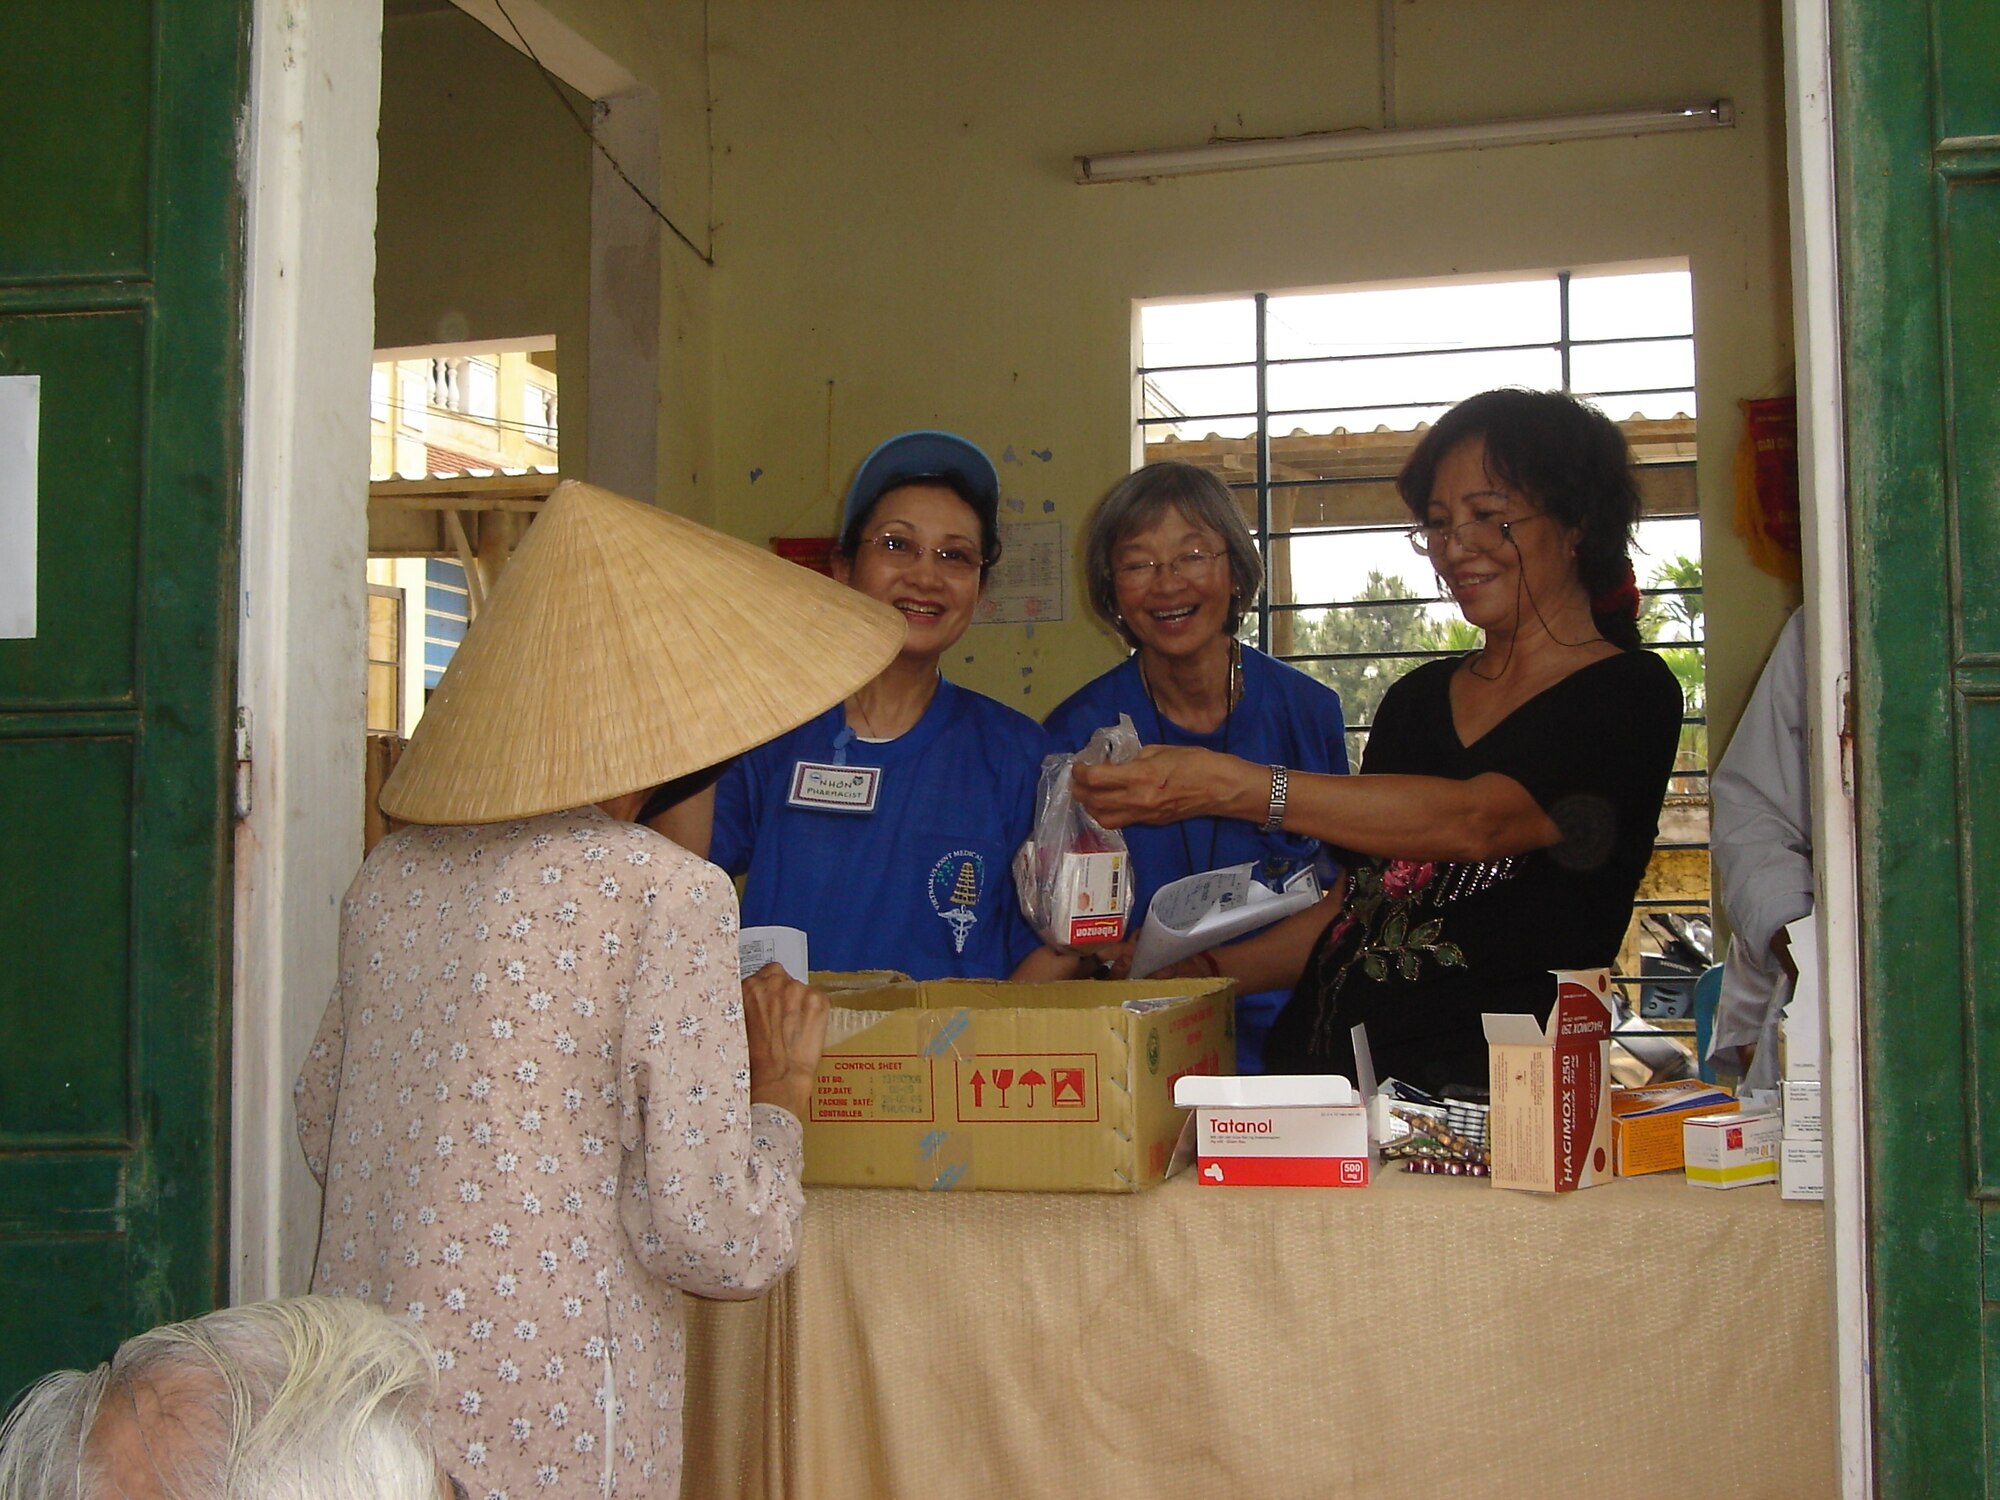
{"x":1195,"y":567}
{"x":1485,"y":535}
{"x":905,"y":552}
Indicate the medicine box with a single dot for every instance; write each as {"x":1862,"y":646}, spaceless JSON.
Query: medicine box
{"x":1277,"y":1131}
{"x":1803,"y":1119}
{"x":1646,"y":1122}
{"x":1550,"y":1125}
{"x":1731,"y":1150}
{"x":1802,"y":1170}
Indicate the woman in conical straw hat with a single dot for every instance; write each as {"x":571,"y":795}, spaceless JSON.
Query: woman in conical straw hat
{"x":883,"y":828}
{"x":540,"y":1102}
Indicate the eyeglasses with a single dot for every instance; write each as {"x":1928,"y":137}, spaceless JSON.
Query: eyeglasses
{"x":1485,"y":534}
{"x":1194,"y":566}
{"x":906,"y":552}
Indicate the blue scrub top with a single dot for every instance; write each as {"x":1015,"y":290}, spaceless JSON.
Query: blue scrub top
{"x":923,"y":883}
{"x":1284,"y":718}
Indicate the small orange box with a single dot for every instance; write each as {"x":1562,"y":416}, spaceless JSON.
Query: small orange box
{"x":1646,"y":1123}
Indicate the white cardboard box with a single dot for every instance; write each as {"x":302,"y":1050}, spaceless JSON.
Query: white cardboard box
{"x":1802,"y":1170}
{"x":1803,"y":1119}
{"x":1729,"y":1151}
{"x":1300,"y":1130}
{"x":1551,"y":1086}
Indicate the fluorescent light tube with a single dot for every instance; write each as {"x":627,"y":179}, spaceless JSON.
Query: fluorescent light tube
{"x":1349,"y":145}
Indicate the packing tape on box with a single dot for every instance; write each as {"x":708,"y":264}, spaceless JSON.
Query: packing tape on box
{"x":941,"y":1031}
{"x":944,"y":1161}
{"x":944,"y":1158}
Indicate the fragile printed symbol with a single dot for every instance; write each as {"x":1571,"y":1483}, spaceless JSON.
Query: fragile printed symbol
{"x":1002,"y":1080}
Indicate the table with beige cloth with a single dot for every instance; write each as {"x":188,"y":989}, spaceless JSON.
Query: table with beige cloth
{"x":1422,"y":1336}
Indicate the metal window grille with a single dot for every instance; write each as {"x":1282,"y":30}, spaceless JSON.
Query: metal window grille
{"x":1310,"y":442}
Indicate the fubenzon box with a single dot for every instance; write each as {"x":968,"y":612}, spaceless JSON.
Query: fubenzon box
{"x":983,"y":1084}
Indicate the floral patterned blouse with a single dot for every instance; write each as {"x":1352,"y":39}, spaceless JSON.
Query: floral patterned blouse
{"x":529,"y":1105}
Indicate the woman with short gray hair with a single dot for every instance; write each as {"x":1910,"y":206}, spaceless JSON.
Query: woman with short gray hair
{"x":1171,"y":568}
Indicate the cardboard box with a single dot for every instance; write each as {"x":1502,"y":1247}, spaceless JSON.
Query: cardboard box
{"x":1803,"y":1119}
{"x":1551,"y":1086}
{"x":983,"y":1084}
{"x":1729,"y":1151}
{"x":1278,"y":1131}
{"x":1646,"y":1123}
{"x":1802,"y":1170}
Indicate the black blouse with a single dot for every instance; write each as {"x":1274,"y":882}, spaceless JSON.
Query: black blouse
{"x":1420,"y":950}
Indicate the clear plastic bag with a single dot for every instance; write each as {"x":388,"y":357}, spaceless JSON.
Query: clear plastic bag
{"x":1073,"y":875}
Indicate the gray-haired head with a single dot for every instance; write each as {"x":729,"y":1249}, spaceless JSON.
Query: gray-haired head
{"x":314,"y":1398}
{"x":1140,"y":499}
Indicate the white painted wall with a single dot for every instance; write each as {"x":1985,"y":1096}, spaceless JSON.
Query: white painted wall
{"x":309,"y":187}
{"x":1823,"y":508}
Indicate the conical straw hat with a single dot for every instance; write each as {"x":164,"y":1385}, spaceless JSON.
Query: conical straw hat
{"x":625,"y":646}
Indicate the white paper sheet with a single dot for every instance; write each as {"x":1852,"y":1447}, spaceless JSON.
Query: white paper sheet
{"x":20,"y":442}
{"x":785,"y":946}
{"x":1200,"y":911}
{"x":1805,"y":1013}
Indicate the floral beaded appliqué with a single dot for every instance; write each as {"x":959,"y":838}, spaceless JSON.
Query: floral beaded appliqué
{"x":1390,"y":923}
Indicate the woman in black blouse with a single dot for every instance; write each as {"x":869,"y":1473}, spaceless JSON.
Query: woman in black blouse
{"x":1508,"y":800}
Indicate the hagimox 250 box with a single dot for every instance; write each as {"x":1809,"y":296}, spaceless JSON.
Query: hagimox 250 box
{"x":1551,"y":1088}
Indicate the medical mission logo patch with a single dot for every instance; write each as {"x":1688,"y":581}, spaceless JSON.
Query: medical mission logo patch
{"x":957,"y":882}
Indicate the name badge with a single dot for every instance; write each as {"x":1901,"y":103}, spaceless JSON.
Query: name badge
{"x":835,"y":788}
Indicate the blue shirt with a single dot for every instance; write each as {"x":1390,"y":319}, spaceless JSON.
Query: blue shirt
{"x":1284,"y":718}
{"x":924,"y":883}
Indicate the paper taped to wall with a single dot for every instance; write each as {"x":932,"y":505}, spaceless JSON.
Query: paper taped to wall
{"x":20,"y":443}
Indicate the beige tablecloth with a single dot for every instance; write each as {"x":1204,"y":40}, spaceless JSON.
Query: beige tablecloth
{"x":1423,"y":1336}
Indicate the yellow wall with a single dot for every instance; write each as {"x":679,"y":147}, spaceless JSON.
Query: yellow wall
{"x":664,"y":45}
{"x":895,"y":212}
{"x":894,"y":186}
{"x":483,"y":228}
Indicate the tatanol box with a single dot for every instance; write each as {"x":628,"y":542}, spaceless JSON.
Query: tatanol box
{"x":1300,"y":1130}
{"x":1551,"y":1086}
{"x":982,"y":1084}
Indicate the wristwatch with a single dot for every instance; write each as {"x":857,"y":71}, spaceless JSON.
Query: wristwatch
{"x":1280,"y":785}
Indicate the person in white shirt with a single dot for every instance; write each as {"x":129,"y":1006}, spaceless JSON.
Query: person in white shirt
{"x":1760,"y":841}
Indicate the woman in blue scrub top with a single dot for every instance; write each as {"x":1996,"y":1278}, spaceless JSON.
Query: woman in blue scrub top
{"x":1171,"y":567}
{"x":885,"y":827}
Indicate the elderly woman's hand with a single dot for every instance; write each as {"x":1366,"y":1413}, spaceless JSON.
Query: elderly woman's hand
{"x":1170,"y":782}
{"x":785,"y":1022}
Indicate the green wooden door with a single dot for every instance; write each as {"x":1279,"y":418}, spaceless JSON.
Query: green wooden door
{"x":120,"y":277}
{"x":1917,"y":121}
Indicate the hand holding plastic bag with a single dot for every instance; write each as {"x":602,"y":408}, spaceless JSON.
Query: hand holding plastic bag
{"x":1074,"y":876}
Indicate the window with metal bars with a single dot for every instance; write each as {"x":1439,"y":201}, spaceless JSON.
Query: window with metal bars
{"x":1307,"y":404}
